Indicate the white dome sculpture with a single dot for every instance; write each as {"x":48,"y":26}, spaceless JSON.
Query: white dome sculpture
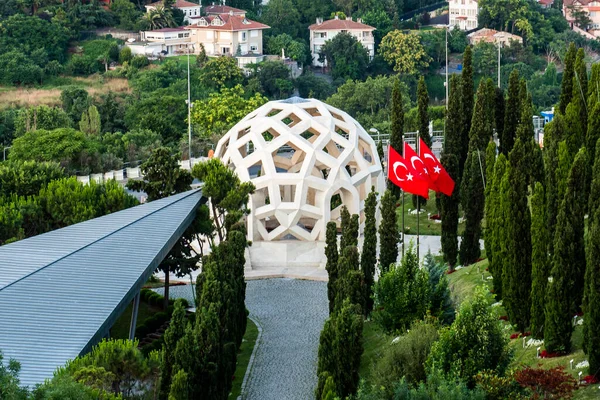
{"x":306,"y":159}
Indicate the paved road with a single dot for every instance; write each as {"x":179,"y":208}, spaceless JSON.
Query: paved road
{"x":291,"y":314}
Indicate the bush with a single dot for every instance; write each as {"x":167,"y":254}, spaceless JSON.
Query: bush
{"x":139,"y":62}
{"x":553,"y":383}
{"x":125,"y":55}
{"x":53,"y":68}
{"x":82,"y":65}
{"x":406,"y":358}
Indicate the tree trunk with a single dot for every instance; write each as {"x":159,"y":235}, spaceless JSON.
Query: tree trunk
{"x":217,"y":222}
{"x":166,"y":303}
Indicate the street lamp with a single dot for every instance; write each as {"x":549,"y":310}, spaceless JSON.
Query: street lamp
{"x":374,"y":130}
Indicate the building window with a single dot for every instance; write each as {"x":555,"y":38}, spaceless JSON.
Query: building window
{"x":202,"y":22}
{"x":243,"y":35}
{"x":217,"y":21}
{"x":320,"y":35}
{"x":253,"y":47}
{"x":225,"y":50}
{"x":195,"y":12}
{"x":254,"y":33}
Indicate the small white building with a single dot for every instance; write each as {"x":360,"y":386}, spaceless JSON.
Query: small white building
{"x":189,"y":9}
{"x":464,"y":13}
{"x":166,"y":42}
{"x":322,"y":31}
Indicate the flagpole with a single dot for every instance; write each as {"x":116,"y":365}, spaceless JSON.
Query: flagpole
{"x":418,"y":200}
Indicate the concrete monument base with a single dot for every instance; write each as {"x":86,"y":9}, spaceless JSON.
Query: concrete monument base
{"x":287,"y":254}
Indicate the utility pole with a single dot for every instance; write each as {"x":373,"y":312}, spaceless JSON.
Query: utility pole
{"x":499,"y":45}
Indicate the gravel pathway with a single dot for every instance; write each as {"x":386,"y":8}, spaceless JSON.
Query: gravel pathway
{"x":291,"y":314}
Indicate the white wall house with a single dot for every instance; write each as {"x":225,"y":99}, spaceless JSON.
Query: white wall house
{"x":322,"y":31}
{"x":166,"y":42}
{"x":463,"y":13}
{"x":189,"y":9}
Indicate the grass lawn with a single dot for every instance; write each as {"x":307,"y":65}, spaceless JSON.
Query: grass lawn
{"x":243,"y":358}
{"x":120,"y":329}
{"x":427,"y":226}
{"x":181,"y":60}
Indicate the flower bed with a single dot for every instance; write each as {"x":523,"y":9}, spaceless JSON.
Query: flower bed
{"x":589,"y":380}
{"x":546,"y":354}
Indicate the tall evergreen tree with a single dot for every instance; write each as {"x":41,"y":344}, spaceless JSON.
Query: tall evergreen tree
{"x":490,"y":161}
{"x":472,"y":196}
{"x":576,"y":118}
{"x":174,"y":332}
{"x":593,"y":129}
{"x":466,"y":106}
{"x":565,"y":291}
{"x":368,"y":257}
{"x":593,"y":86}
{"x":525,"y":132}
{"x":566,"y":89}
{"x":512,"y":114}
{"x":495,"y":220}
{"x":516,"y":275}
{"x":388,"y":232}
{"x":539,"y":261}
{"x":450,"y":160}
{"x":499,"y":108}
{"x":591,"y":320}
{"x":331,"y":252}
{"x":346,"y":228}
{"x":350,"y":279}
{"x":562,"y":169}
{"x":397,"y":128}
{"x":422,"y":108}
{"x":580,"y":87}
{"x":553,"y":135}
{"x":482,"y":124}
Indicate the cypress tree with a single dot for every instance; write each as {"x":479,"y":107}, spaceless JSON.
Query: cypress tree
{"x":422,"y":108}
{"x":368,"y":257}
{"x":350,"y":279}
{"x":512,"y":114}
{"x":346,"y":239}
{"x":566,"y":88}
{"x":179,"y":388}
{"x":594,"y":197}
{"x":496,"y":223}
{"x":466,"y":106}
{"x":490,"y":161}
{"x":173,"y":333}
{"x":580,"y":87}
{"x":539,"y":261}
{"x":553,"y":134}
{"x":450,"y":161}
{"x":593,"y":86}
{"x":537,"y":168}
{"x":575,"y":137}
{"x":499,"y":107}
{"x":380,"y":151}
{"x":473,"y":200}
{"x":593,"y":129}
{"x":482,"y":124}
{"x":388,"y":232}
{"x":331,"y":252}
{"x":397,"y":128}
{"x":562,"y":170}
{"x":516,"y":274}
{"x":565,"y":292}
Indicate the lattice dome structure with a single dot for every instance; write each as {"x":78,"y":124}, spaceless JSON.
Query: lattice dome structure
{"x":306,"y":159}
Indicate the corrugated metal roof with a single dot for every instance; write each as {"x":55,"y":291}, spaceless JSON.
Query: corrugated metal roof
{"x":60,"y":292}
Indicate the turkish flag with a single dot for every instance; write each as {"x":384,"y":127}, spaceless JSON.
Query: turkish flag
{"x":437,"y":173}
{"x":402,"y":174}
{"x":419,"y":165}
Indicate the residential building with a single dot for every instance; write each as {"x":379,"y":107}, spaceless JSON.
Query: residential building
{"x":322,"y":31}
{"x":463,"y":13}
{"x":189,"y":9}
{"x":591,"y":7}
{"x":218,"y":10}
{"x":166,"y":42}
{"x":545,"y":3}
{"x":493,"y":36}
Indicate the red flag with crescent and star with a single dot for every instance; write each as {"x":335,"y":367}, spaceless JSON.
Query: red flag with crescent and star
{"x":419,"y":165}
{"x":437,"y":173}
{"x":402,"y":174}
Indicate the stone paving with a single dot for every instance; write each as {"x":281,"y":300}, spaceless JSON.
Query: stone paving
{"x":291,"y":314}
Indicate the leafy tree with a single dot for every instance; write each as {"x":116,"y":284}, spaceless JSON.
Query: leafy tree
{"x":466,"y":106}
{"x":10,"y":387}
{"x":580,"y":17}
{"x":473,"y":204}
{"x":402,"y":294}
{"x":59,"y":145}
{"x":539,"y":261}
{"x":368,"y":257}
{"x":40,"y":117}
{"x":388,"y":232}
{"x":512,"y":115}
{"x":26,"y":178}
{"x":90,"y":122}
{"x":160,"y":17}
{"x":126,"y":13}
{"x":268,"y":74}
{"x":218,"y":113}
{"x":174,"y":332}
{"x":282,"y":16}
{"x":565,"y":291}
{"x":112,"y":113}
{"x":75,"y":101}
{"x":331,"y":252}
{"x":485,"y":58}
{"x":423,"y":104}
{"x":566,"y":90}
{"x":346,"y":56}
{"x":311,"y":86}
{"x":18,"y":69}
{"x":516,"y":274}
{"x":404,"y":52}
{"x":476,"y":336}
{"x":221,"y":72}
{"x":294,"y":49}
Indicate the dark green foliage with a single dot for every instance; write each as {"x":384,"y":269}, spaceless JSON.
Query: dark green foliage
{"x":453,"y":141}
{"x":441,"y":305}
{"x":476,"y":336}
{"x":490,"y":162}
{"x":41,"y":117}
{"x":397,"y":128}
{"x":495,"y":220}
{"x":423,"y":105}
{"x":179,"y":387}
{"x":553,"y":134}
{"x":161,"y":113}
{"x":331,"y":252}
{"x":466,"y":106}
{"x":402,"y":294}
{"x":349,"y":284}
{"x":516,"y":274}
{"x":565,"y":292}
{"x":575,"y":137}
{"x":340,"y":350}
{"x":388,"y":232}
{"x":512,"y":114}
{"x":591,"y":322}
{"x":566,"y":89}
{"x":540,"y":268}
{"x":347,"y":238}
{"x":346,"y":56}
{"x":482,"y":124}
{"x":499,"y":108}
{"x":380,"y":150}
{"x":580,"y":88}
{"x":26,"y":178}
{"x":174,"y":332}
{"x":449,"y":213}
{"x":368,"y":257}
{"x":473,"y":199}
{"x":593,"y":130}
{"x":9,"y":380}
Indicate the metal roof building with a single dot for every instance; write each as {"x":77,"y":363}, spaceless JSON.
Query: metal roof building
{"x":61,"y":292}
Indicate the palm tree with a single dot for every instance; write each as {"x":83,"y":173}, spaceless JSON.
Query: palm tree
{"x":160,"y":17}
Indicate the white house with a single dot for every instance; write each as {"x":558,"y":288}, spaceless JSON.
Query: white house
{"x":463,"y":13}
{"x":189,"y":9}
{"x":323,"y":31}
{"x":166,"y":41}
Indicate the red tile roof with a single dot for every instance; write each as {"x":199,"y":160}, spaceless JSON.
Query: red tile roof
{"x":177,"y":29}
{"x":177,"y":4}
{"x":214,"y":10}
{"x":340,"y":24}
{"x":231,"y":23}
